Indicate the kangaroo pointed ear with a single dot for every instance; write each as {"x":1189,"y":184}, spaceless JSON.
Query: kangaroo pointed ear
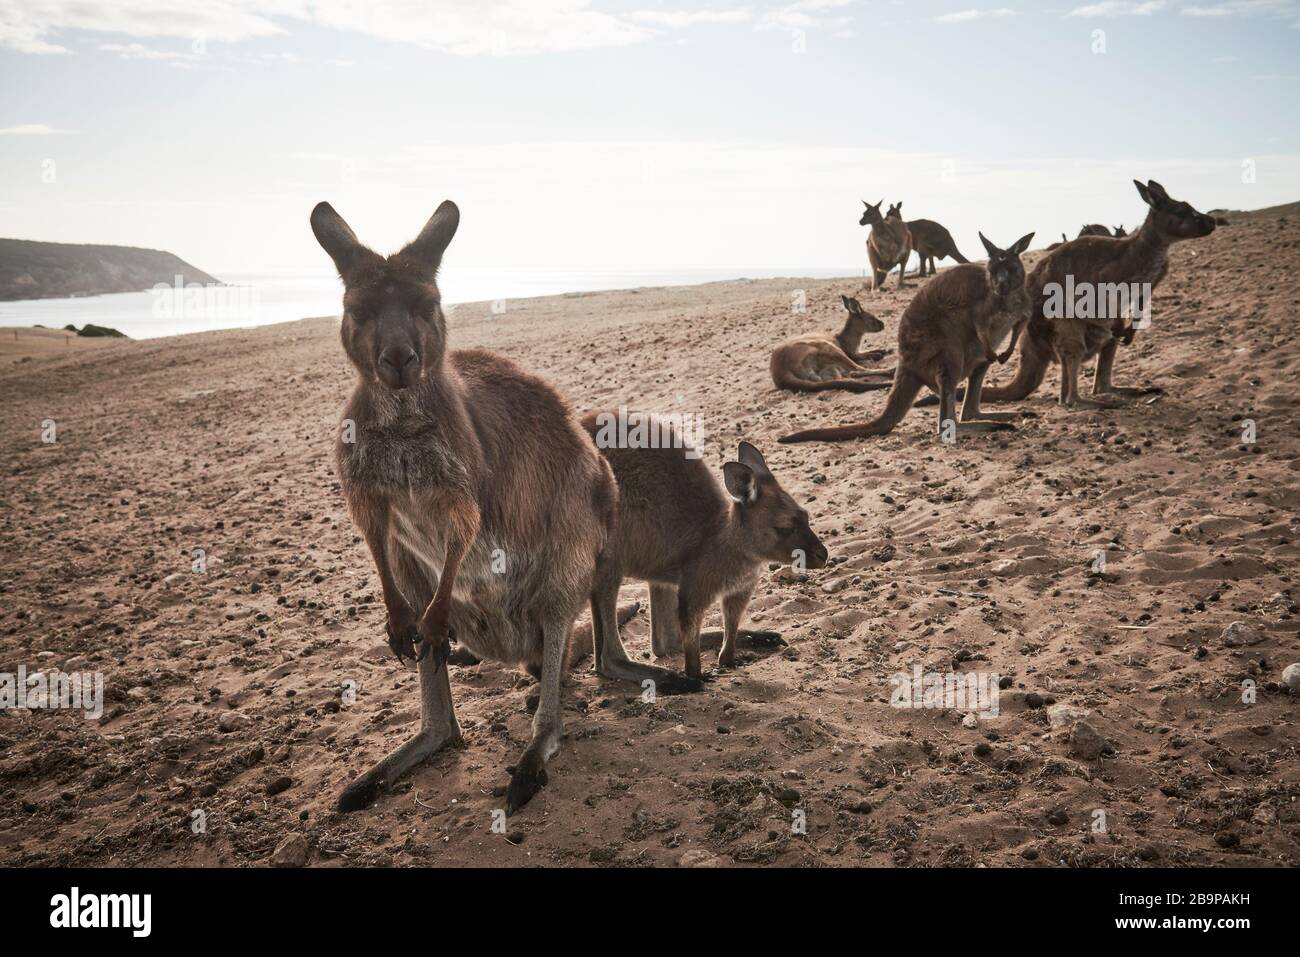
{"x":427,"y":248}
{"x":741,"y":482}
{"x":1157,"y":191}
{"x":1145,"y":194}
{"x":1021,"y":244}
{"x":851,"y":304}
{"x":989,"y":247}
{"x":753,"y":459}
{"x":866,"y":204}
{"x":336,"y":238}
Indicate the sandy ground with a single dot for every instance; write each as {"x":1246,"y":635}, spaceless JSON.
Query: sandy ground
{"x":24,"y":344}
{"x":974,"y":557}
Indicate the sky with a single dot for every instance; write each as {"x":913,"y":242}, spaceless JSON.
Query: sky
{"x":630,"y":134}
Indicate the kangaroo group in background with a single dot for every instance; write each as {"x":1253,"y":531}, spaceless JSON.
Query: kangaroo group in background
{"x":483,"y":503}
{"x":1140,"y":259}
{"x":930,"y":240}
{"x":694,"y":540}
{"x":1096,"y":229}
{"x":820,"y":361}
{"x":888,"y":245}
{"x":950,"y":333}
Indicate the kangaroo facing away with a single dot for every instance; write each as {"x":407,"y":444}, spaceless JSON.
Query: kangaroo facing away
{"x":888,"y":245}
{"x":693,"y":542}
{"x":1099,"y":262}
{"x":819,"y":361}
{"x":482,"y":502}
{"x":1093,"y":229}
{"x":930,"y":240}
{"x":949,"y":333}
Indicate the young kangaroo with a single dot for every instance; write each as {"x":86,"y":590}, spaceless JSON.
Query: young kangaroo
{"x":818,"y":361}
{"x":693,"y":542}
{"x":888,"y":245}
{"x":950,"y":332}
{"x":930,"y":240}
{"x":1093,"y":229}
{"x":482,"y":502}
{"x":1140,"y":258}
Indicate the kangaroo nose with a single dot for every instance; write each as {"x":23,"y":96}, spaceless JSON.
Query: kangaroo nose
{"x":398,"y":358}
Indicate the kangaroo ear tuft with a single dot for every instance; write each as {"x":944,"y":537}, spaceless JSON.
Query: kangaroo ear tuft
{"x":427,"y":248}
{"x":742,"y":484}
{"x":752,"y":458}
{"x":1022,"y":244}
{"x":989,"y":247}
{"x":336,"y":238}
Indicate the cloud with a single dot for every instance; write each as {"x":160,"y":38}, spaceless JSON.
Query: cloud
{"x":1119,"y":8}
{"x":32,"y":129}
{"x":805,"y":15}
{"x":965,"y":16}
{"x":459,"y":27}
{"x":138,"y":51}
{"x":679,"y":19}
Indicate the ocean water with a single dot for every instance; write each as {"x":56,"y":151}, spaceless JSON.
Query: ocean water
{"x":256,"y":299}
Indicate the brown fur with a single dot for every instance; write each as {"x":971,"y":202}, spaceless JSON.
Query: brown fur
{"x":949,"y":332}
{"x":931,"y":242}
{"x":482,"y":502}
{"x":1141,"y":257}
{"x":694,"y":542}
{"x":888,"y":245}
{"x":819,"y":361}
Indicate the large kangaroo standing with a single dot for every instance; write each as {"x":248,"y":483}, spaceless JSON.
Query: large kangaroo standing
{"x":483,"y":503}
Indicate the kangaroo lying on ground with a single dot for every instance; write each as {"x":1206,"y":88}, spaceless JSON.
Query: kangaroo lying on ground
{"x":678,"y":530}
{"x":950,"y":332}
{"x":930,"y":240}
{"x":1093,"y":262}
{"x":482,"y":502}
{"x":1095,"y":229}
{"x":888,"y":245}
{"x":818,"y":361}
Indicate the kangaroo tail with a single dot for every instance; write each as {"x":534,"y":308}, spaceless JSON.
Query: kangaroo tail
{"x":580,"y":641}
{"x":956,"y":254}
{"x":828,"y":385}
{"x":1030,"y":370}
{"x":906,"y":386}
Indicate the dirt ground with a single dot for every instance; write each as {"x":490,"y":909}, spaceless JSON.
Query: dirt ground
{"x":973,"y":557}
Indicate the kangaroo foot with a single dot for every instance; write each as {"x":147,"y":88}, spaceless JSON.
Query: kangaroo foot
{"x":666,"y":681}
{"x":965,"y":428}
{"x":1000,"y":416}
{"x":363,"y":791}
{"x":528,"y":777}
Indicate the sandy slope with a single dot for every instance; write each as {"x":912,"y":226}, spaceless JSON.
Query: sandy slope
{"x":976,"y":554}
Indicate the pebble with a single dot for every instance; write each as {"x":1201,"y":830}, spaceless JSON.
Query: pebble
{"x":279,"y":785}
{"x":970,"y":721}
{"x":291,"y":852}
{"x":1239,"y":634}
{"x":698,"y":857}
{"x":231,"y":720}
{"x":1086,"y":741}
{"x":1291,"y":677}
{"x":1061,"y":716}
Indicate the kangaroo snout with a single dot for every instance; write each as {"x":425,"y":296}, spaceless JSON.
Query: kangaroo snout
{"x":399,"y":366}
{"x":817,"y":555}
